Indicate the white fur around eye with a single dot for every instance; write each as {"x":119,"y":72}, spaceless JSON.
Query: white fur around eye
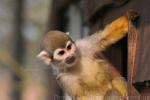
{"x":57,"y":56}
{"x":68,"y":43}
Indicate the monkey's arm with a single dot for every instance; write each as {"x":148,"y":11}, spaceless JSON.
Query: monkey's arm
{"x":102,"y":39}
{"x":118,"y":82}
{"x":120,"y":85}
{"x":118,"y":91}
{"x":113,"y":32}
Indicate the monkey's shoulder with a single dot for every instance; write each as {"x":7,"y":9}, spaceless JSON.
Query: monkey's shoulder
{"x":94,"y":70}
{"x":85,"y":48}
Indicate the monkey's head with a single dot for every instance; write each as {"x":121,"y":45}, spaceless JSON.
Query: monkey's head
{"x":57,"y":48}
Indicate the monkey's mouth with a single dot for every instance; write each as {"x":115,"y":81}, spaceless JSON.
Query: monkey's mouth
{"x":70,"y":60}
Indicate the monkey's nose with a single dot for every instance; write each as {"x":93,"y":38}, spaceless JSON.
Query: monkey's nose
{"x":70,"y":60}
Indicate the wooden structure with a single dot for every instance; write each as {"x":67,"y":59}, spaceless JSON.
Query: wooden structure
{"x":131,"y":55}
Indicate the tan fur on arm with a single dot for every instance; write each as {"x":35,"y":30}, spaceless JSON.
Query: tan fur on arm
{"x":114,"y":32}
{"x":120,"y":84}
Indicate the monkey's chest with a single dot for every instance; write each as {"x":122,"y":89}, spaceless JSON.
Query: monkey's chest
{"x":93,"y":80}
{"x":84,"y":90}
{"x":95,"y":76}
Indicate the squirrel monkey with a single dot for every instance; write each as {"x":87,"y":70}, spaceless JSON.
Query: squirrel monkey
{"x":78,"y":71}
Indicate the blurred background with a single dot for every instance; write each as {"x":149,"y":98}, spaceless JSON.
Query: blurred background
{"x":22,"y":23}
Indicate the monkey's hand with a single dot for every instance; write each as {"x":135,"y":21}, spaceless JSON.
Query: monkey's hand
{"x":120,"y":85}
{"x":117,"y":29}
{"x":114,"y":32}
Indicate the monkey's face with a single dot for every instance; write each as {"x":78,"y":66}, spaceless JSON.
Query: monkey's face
{"x":66,"y":57}
{"x":62,"y":57}
{"x":59,"y":50}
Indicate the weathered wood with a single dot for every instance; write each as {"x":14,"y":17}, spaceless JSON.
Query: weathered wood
{"x":92,"y":6}
{"x":143,"y":44}
{"x":114,"y":13}
{"x":99,"y":7}
{"x":132,"y":47}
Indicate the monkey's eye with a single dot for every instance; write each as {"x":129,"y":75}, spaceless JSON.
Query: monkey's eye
{"x":69,"y":46}
{"x":62,"y":52}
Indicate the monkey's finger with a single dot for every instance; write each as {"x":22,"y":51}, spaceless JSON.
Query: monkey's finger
{"x":132,"y":15}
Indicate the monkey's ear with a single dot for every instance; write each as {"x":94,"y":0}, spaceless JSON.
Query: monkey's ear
{"x":67,"y":33}
{"x":44,"y":56}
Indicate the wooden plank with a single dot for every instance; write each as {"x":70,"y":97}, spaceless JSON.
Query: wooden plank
{"x":98,"y":7}
{"x":92,"y":6}
{"x":114,"y":13}
{"x":132,"y":47}
{"x":133,"y":94}
{"x":146,"y":92}
{"x":143,"y":44}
